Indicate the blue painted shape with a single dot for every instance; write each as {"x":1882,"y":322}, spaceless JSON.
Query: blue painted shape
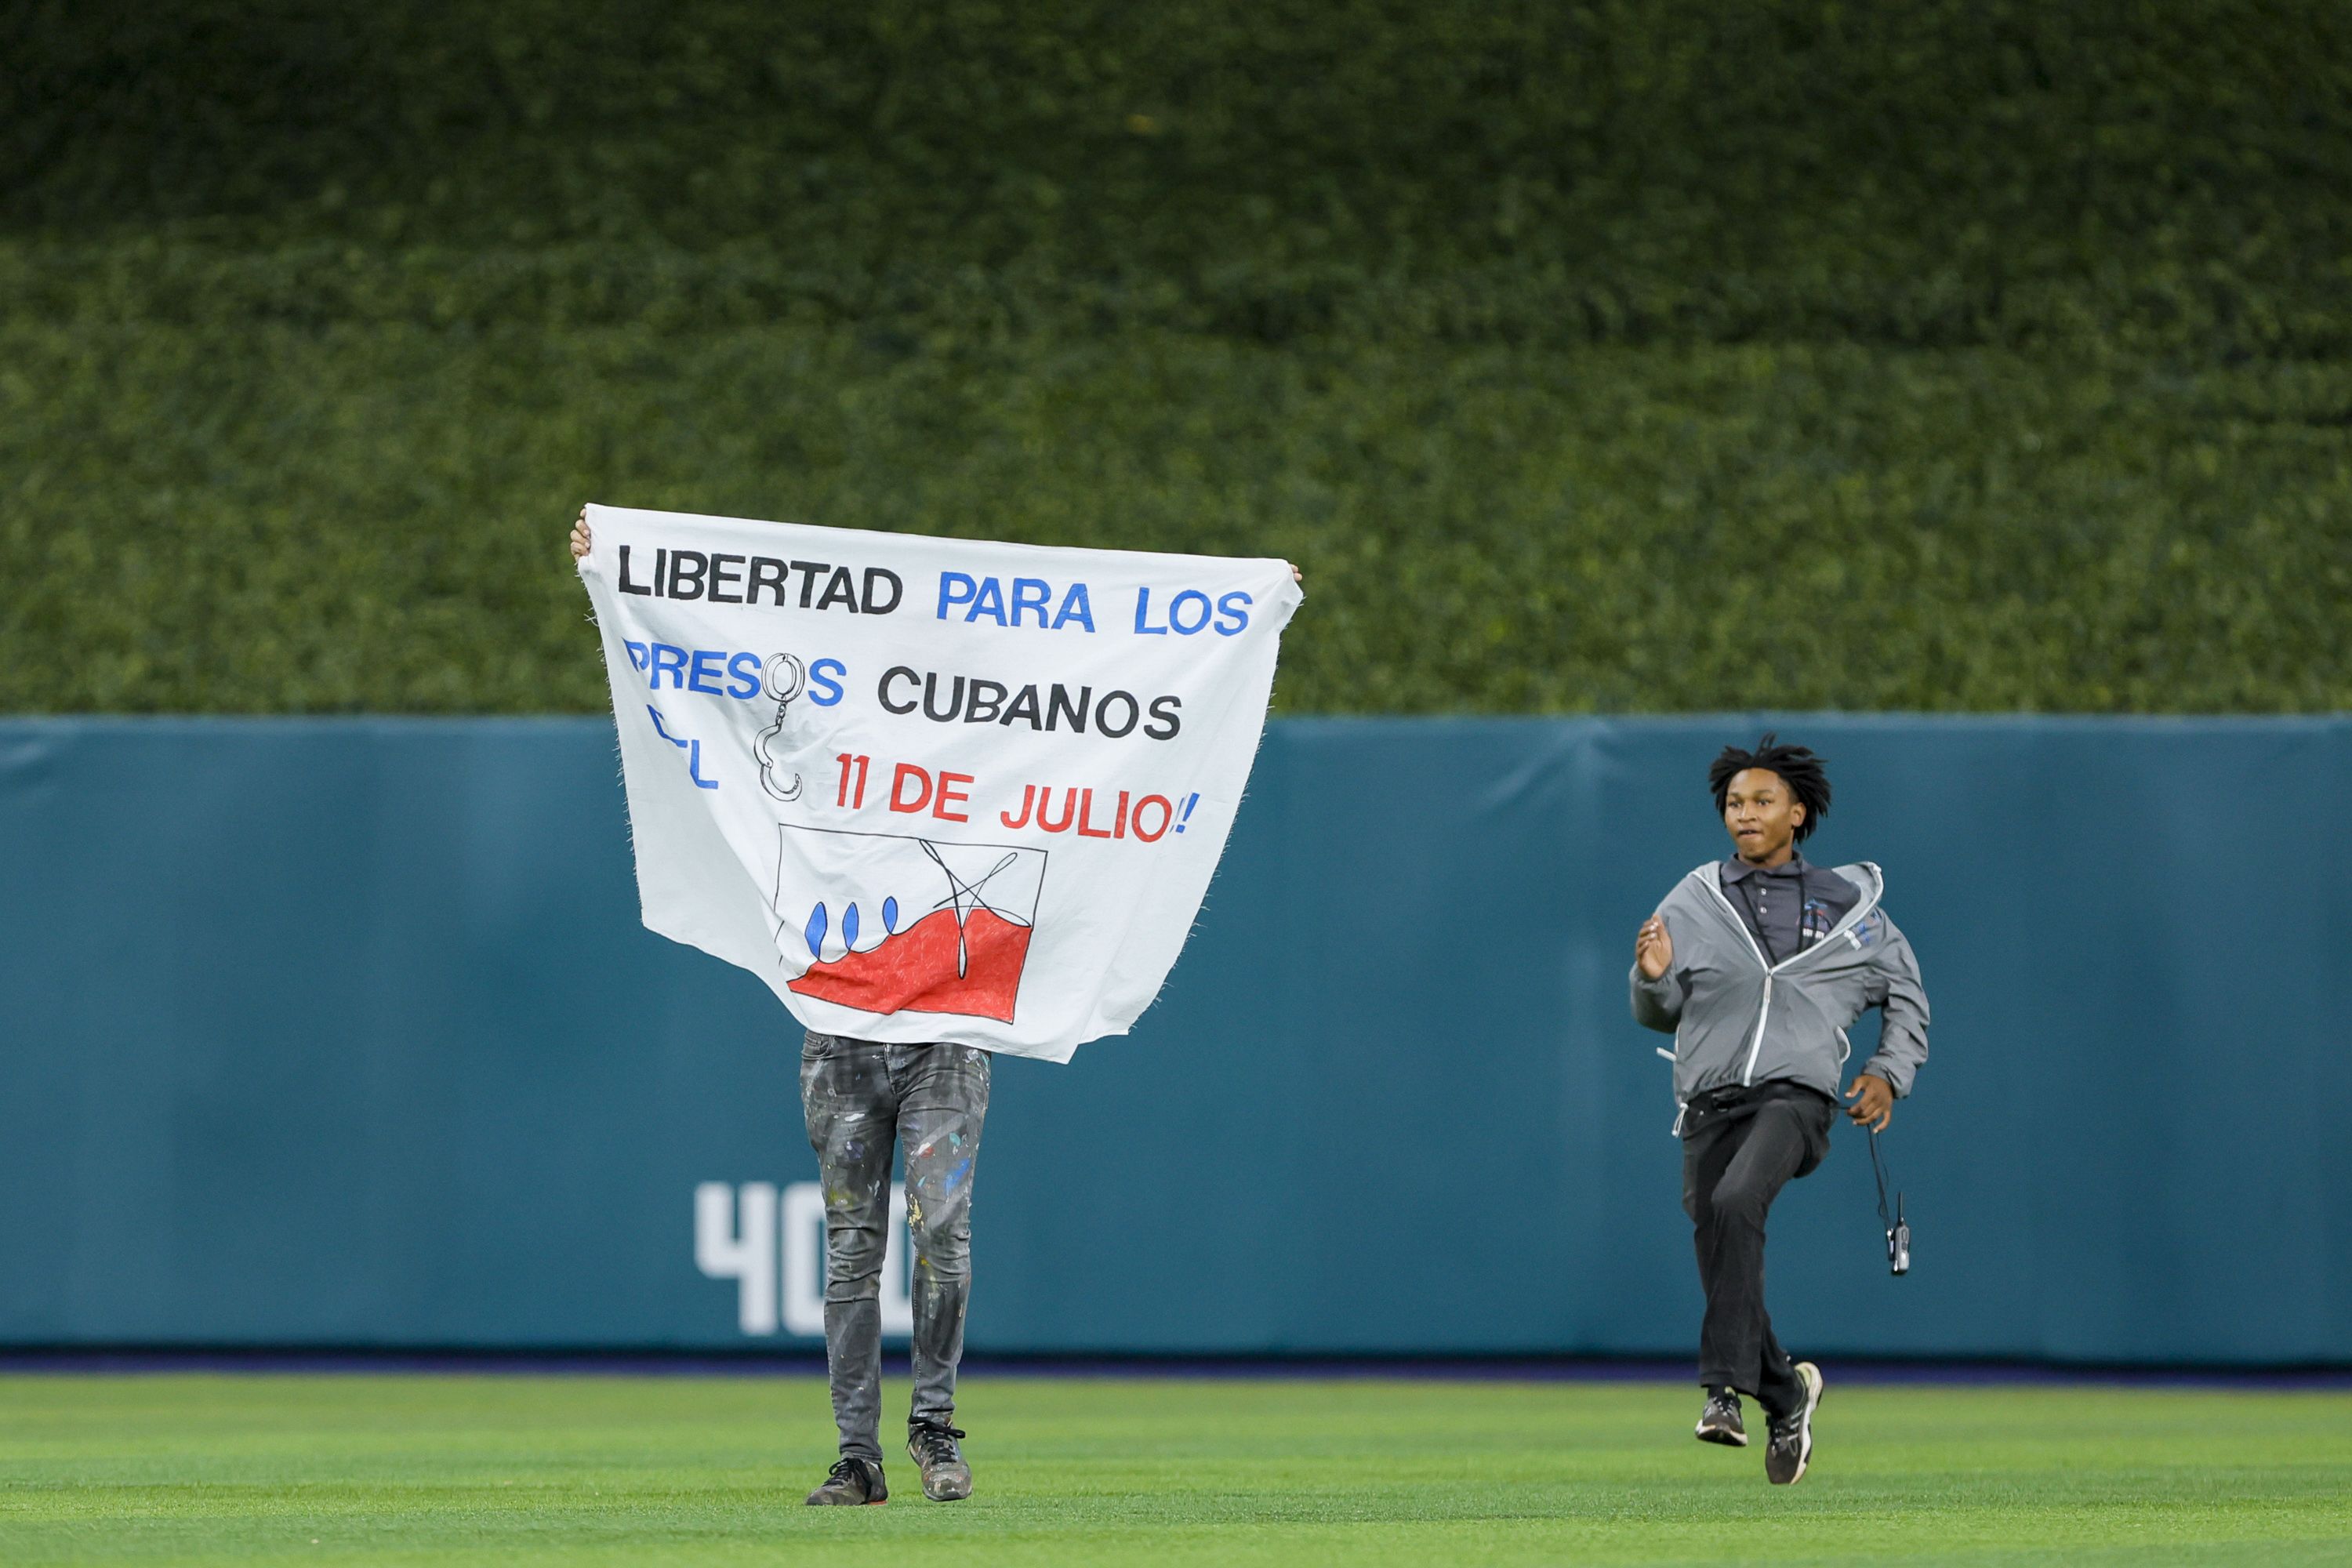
{"x":890,"y":914}
{"x":665,"y":734}
{"x":815,"y":932}
{"x":694,"y":767}
{"x":849,"y":926}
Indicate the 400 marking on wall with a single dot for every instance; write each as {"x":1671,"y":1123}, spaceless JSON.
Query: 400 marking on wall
{"x":772,"y":1244}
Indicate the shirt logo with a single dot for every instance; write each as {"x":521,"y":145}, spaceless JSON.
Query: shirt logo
{"x":1815,"y":922}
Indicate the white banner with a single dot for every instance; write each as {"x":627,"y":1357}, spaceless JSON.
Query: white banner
{"x":930,"y":789}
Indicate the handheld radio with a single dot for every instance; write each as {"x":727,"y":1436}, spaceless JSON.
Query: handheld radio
{"x":1898,"y":1229}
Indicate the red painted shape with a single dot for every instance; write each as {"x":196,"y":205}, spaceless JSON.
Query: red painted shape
{"x":914,"y":971}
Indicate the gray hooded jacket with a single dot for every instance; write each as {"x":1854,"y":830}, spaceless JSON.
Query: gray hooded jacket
{"x":1737,"y":1020}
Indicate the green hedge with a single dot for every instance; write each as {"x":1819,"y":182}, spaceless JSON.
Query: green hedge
{"x":2169,"y":175}
{"x":1637,"y":356}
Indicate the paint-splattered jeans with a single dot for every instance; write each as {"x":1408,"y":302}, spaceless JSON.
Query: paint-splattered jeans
{"x":858,"y":1098}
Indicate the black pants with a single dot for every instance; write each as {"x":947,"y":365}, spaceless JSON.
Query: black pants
{"x":1740,"y":1149}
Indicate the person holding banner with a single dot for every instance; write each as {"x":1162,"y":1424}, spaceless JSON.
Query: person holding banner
{"x":1757,"y":965}
{"x":912,"y":952}
{"x":859,"y":1098}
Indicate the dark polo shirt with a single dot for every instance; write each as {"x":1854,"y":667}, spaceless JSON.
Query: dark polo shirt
{"x":1788,"y":908}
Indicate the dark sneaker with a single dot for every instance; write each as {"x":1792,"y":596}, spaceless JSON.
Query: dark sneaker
{"x":946,"y":1478}
{"x":1789,"y":1447}
{"x":851,"y":1482}
{"x":1720,"y":1422}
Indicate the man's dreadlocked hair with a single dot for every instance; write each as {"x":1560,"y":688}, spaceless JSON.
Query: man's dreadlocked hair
{"x":1796,"y":765}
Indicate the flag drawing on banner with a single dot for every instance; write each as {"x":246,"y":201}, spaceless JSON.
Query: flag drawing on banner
{"x":930,"y":789}
{"x":961,"y":953}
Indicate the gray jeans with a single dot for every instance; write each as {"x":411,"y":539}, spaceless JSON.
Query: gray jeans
{"x":859,"y":1097}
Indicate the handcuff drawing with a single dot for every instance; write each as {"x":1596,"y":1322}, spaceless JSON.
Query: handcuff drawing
{"x":787,"y":678}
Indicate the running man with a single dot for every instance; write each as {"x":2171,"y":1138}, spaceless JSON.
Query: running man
{"x":1757,"y":964}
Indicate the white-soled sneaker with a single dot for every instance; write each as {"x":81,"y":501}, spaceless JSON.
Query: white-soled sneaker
{"x":1720,"y":1421}
{"x":1788,"y":1447}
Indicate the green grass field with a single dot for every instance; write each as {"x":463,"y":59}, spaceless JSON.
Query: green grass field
{"x":511,"y":1469}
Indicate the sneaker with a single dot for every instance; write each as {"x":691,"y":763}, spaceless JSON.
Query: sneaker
{"x":1720,"y":1422}
{"x":1790,"y":1447}
{"x":851,"y":1481}
{"x":932,"y":1444}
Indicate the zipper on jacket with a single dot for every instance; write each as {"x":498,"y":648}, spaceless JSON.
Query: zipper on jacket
{"x":1854,"y":917}
{"x":1748,"y":1078}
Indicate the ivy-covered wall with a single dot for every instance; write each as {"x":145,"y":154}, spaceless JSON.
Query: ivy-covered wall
{"x":1613,"y":357}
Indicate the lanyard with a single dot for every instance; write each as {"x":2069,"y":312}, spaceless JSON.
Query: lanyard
{"x":1898,"y":1229}
{"x":1756,"y":919}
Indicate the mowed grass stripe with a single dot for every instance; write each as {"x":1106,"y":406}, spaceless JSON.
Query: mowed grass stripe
{"x":429,"y":1469}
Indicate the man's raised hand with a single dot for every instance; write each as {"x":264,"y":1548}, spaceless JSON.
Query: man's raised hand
{"x":1653,"y":950}
{"x":1876,"y":1108}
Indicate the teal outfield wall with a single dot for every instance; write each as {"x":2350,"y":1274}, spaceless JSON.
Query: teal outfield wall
{"x":345,"y":1033}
